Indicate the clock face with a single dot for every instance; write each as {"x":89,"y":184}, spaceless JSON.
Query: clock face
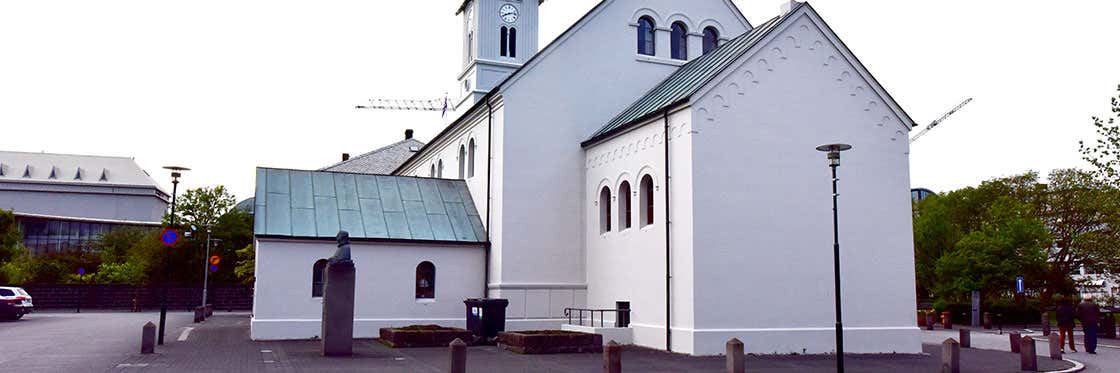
{"x":508,"y":13}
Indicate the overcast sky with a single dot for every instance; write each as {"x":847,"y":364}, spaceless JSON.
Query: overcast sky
{"x":225,"y":86}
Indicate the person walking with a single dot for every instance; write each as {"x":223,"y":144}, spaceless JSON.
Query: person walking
{"x":1089,"y":314}
{"x":1065,"y":313}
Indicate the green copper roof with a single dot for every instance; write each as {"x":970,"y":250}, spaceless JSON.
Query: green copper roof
{"x":292,"y":203}
{"x":684,"y":82}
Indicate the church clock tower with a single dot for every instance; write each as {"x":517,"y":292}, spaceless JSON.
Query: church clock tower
{"x":498,"y":37}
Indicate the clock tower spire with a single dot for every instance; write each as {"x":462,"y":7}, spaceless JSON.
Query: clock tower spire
{"x":498,"y":37}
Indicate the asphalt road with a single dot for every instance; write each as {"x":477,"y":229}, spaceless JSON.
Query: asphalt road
{"x":77,"y":342}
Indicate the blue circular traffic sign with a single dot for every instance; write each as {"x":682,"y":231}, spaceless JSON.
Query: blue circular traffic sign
{"x":169,"y":237}
{"x":213,"y":268}
{"x":81,"y":271}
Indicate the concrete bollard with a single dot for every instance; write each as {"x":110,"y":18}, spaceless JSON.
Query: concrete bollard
{"x":458,"y":356}
{"x":1045,"y":323}
{"x":612,"y":357}
{"x":148,"y":338}
{"x":1056,"y":346}
{"x":198,"y":315}
{"x":209,"y":310}
{"x":1028,"y":360}
{"x":1014,"y":337}
{"x":966,"y":338}
{"x":947,"y":319}
{"x":736,"y":360}
{"x":931,"y":319}
{"x":950,"y":356}
{"x":987,"y":320}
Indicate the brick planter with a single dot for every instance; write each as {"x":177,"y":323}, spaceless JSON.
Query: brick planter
{"x":550,"y":342}
{"x":423,"y":336}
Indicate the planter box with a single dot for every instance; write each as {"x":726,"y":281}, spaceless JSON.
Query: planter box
{"x":550,"y":342}
{"x":423,"y":336}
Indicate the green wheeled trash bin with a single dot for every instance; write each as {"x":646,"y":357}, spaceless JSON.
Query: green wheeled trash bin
{"x":486,"y":317}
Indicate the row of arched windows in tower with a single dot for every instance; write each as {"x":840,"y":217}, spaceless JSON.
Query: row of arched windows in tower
{"x":625,"y":207}
{"x":425,"y":279}
{"x":466,"y":162}
{"x":509,"y":42}
{"x":678,"y":39}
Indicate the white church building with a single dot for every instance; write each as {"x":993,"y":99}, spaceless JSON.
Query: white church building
{"x":658,"y":154}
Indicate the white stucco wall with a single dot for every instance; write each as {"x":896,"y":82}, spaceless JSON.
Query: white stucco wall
{"x":571,"y":90}
{"x":762,"y":218}
{"x":283,"y":307}
{"x":629,"y":264}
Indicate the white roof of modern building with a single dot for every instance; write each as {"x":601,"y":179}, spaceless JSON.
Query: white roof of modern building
{"x":381,"y":161}
{"x":63,"y":169}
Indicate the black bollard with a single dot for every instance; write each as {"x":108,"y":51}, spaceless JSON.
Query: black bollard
{"x":736,"y":360}
{"x":458,"y":356}
{"x":148,"y":338}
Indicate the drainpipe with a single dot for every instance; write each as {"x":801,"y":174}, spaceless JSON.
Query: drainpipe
{"x":668,"y":258}
{"x":489,"y":197}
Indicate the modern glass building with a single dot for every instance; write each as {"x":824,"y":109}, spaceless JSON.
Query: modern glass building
{"x":65,"y":202}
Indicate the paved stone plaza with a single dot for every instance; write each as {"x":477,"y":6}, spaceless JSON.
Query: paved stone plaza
{"x":103,"y":341}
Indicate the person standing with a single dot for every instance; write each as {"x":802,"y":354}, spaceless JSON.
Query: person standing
{"x":1065,"y":313}
{"x":1090,"y":315}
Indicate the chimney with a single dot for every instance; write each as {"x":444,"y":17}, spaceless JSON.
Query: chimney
{"x":789,"y":6}
{"x":345,"y":157}
{"x":408,"y":134}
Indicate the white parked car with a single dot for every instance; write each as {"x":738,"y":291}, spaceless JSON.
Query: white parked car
{"x":14,"y":302}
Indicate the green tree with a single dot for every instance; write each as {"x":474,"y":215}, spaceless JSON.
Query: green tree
{"x":1081,"y":212}
{"x":202,"y":207}
{"x":1010,"y":242}
{"x":246,"y":264}
{"x":1104,"y":153}
{"x":10,"y":238}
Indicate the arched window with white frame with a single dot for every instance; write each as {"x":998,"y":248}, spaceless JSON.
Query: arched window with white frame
{"x":605,"y":210}
{"x":646,"y":198}
{"x":425,"y":280}
{"x":678,"y":42}
{"x":647,"y":42}
{"x":711,"y":39}
{"x":462,"y":161}
{"x":471,"y":148}
{"x":624,"y":206}
{"x":318,"y":278}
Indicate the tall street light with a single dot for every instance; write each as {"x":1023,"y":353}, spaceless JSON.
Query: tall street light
{"x":206,"y":265}
{"x":833,"y":151}
{"x":176,"y":172}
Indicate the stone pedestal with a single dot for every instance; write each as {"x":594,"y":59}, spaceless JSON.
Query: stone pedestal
{"x":1014,"y":338}
{"x":1055,"y":346}
{"x":1045,"y":323}
{"x":736,"y":359}
{"x":148,"y":338}
{"x":338,"y":302}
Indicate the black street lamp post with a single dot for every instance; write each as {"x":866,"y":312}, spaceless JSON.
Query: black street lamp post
{"x":176,"y":172}
{"x":833,"y":151}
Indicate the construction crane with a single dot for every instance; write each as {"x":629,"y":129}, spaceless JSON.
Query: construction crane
{"x":439,"y":104}
{"x":939,"y":120}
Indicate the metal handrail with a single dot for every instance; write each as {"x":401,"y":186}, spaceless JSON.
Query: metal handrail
{"x":568,"y":312}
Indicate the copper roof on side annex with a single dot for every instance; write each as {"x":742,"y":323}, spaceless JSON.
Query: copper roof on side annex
{"x":318,"y":204}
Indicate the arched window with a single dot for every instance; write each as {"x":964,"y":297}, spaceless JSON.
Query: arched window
{"x":646,"y":43}
{"x":513,"y":42}
{"x":470,"y":46}
{"x":470,"y":158}
{"x":425,"y":280}
{"x":679,"y":41}
{"x":711,"y":39}
{"x":462,"y":161}
{"x":646,"y":199}
{"x":432,"y":173}
{"x":505,"y":41}
{"x":624,"y":205}
{"x":605,"y":210}
{"x":318,"y":278}
{"x":439,"y":169}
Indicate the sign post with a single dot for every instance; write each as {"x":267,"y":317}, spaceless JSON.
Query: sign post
{"x":1020,"y":289}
